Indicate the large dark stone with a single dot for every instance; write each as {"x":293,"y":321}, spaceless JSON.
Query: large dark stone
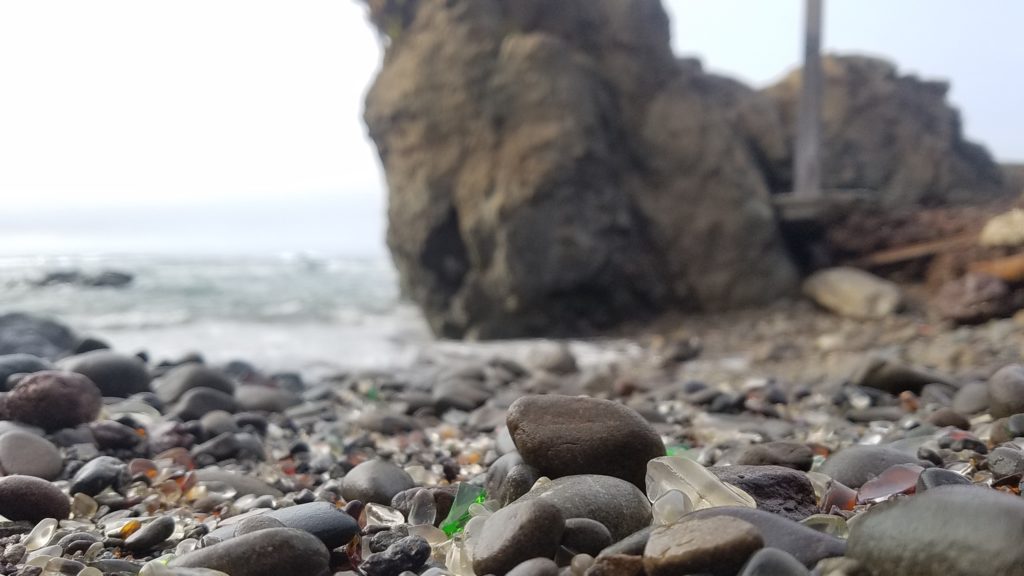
{"x":26,"y":334}
{"x":776,"y":489}
{"x":516,"y":533}
{"x":53,"y":400}
{"x":376,"y":481}
{"x":617,"y":504}
{"x":855,"y":465}
{"x":269,"y":552}
{"x":114,"y":374}
{"x":569,"y":435}
{"x":32,"y":499}
{"x":951,"y":530}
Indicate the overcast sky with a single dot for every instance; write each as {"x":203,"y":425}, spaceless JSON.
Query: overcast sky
{"x":234,"y":125}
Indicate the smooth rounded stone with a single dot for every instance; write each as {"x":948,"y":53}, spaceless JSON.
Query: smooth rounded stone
{"x":717,"y":545}
{"x":116,"y":375}
{"x":459,"y":394}
{"x":805,"y":544}
{"x":971,"y":399}
{"x":776,"y":489}
{"x":932,"y":478}
{"x":616,"y":503}
{"x":376,"y":481}
{"x":516,"y":533}
{"x":773,"y":562}
{"x":269,"y":552}
{"x":29,"y":455}
{"x":386,"y":422}
{"x":242,"y":483}
{"x":99,"y":474}
{"x":11,"y":364}
{"x":256,"y":398}
{"x":509,"y":477}
{"x":22,"y":333}
{"x":407,"y":554}
{"x":789,"y":454}
{"x":853,"y":293}
{"x":535,"y":567}
{"x":1006,"y":391}
{"x":892,"y":376}
{"x":586,"y":536}
{"x":855,"y":465}
{"x":198,"y":402}
{"x":111,"y":435}
{"x":1002,"y":462}
{"x":617,"y":565}
{"x":53,"y":400}
{"x":321,"y":519}
{"x":152,"y":533}
{"x":180,"y":379}
{"x":952,"y":530}
{"x":218,"y":422}
{"x":256,"y":523}
{"x":89,"y":344}
{"x":573,"y":435}
{"x":876,"y":414}
{"x":944,"y":417}
{"x":444,"y":497}
{"x":219,"y":448}
{"x":30,"y":498}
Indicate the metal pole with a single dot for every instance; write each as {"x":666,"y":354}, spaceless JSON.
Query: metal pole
{"x":808,"y":135}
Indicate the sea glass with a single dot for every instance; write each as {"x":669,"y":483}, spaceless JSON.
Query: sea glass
{"x":898,"y":479}
{"x":40,"y":534}
{"x":379,"y":515}
{"x":83,"y":506}
{"x":703,"y":488}
{"x":838,"y":496}
{"x":671,"y":507}
{"x":466,"y":496}
{"x":828,"y":524}
{"x":423,"y":509}
{"x":459,"y":561}
{"x":62,"y":567}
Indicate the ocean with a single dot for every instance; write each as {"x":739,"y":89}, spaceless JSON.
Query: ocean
{"x":286,"y":312}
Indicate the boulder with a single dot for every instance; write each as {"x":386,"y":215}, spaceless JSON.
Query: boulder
{"x":553,"y":169}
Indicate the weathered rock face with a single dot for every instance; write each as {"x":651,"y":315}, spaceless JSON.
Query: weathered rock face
{"x":889,"y":133}
{"x":552,"y":168}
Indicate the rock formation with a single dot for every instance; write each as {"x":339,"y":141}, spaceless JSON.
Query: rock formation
{"x":554,"y":169}
{"x":891,"y":134}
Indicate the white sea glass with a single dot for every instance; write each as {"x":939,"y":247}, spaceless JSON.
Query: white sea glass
{"x":703,"y":488}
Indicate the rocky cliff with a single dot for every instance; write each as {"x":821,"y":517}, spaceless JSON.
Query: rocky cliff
{"x":553,"y":168}
{"x":892,"y":134}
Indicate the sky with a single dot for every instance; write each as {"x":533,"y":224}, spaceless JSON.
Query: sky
{"x":234,"y":126}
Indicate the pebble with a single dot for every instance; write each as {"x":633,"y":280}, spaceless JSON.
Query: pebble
{"x":516,"y":533}
{"x":256,"y":523}
{"x":1003,"y":462}
{"x":717,"y":545}
{"x":1006,"y":391}
{"x":151,"y":534}
{"x":936,"y":477}
{"x":509,"y":477}
{"x":256,"y":398}
{"x":30,"y":455}
{"x":776,"y":489}
{"x":180,"y":379}
{"x":408,"y":553}
{"x":773,"y":562}
{"x":11,"y":364}
{"x":789,"y":454}
{"x":971,"y":399}
{"x":535,"y":567}
{"x":270,"y":552}
{"x":53,"y":400}
{"x":33,"y":499}
{"x":1006,"y":429}
{"x":586,"y":536}
{"x":556,"y":434}
{"x":218,"y":422}
{"x":617,"y":504}
{"x":953,"y":530}
{"x":376,"y":481}
{"x":197,"y":402}
{"x":321,"y":519}
{"x":617,"y":565}
{"x":116,"y":375}
{"x":99,"y":474}
{"x":855,"y":465}
{"x":948,"y":417}
{"x":242,"y":483}
{"x":805,"y":544}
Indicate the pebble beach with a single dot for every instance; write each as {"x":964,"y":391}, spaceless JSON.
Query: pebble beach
{"x":657,"y":456}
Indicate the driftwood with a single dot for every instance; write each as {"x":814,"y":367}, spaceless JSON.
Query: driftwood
{"x":915,"y":251}
{"x":1008,"y":269}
